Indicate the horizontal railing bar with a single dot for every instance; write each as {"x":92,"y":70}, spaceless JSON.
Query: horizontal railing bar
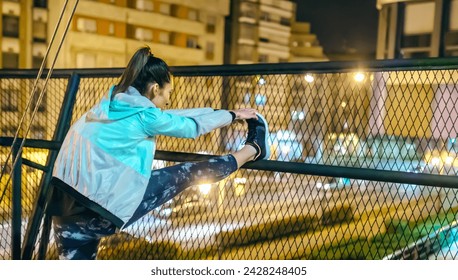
{"x":34,"y":165}
{"x":402,"y":177}
{"x":266,"y":68}
{"x":331,"y":171}
{"x":32,"y":143}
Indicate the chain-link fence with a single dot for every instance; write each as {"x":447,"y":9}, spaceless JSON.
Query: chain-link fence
{"x":363,"y":166}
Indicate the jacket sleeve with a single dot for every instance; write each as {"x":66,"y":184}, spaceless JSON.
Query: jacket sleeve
{"x":157,"y":122}
{"x":193,"y":112}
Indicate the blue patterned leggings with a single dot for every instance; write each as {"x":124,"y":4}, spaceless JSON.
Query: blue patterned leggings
{"x":78,"y":235}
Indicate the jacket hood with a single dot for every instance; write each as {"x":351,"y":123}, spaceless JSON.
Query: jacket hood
{"x":124,"y":104}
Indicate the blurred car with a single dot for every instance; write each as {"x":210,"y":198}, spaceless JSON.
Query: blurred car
{"x":439,"y":162}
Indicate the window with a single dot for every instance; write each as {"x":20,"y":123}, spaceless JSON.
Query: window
{"x":193,"y":15}
{"x":143,"y":34}
{"x":248,"y":10}
{"x":248,"y":31}
{"x":86,"y":25}
{"x":211,"y":24}
{"x":285,"y":21}
{"x":39,"y":31}
{"x":245,"y":52}
{"x":145,"y":5}
{"x":10,"y":60}
{"x":36,"y":96}
{"x":210,"y":50}
{"x":164,"y":37}
{"x":111,"y":28}
{"x":9,"y":99}
{"x":191,"y":42}
{"x":164,"y":8}
{"x":8,"y":131}
{"x":40,"y":3}
{"x":37,"y":132}
{"x":418,"y":40}
{"x":85,"y":60}
{"x":263,"y":58}
{"x":265,"y":16}
{"x":10,"y":26}
{"x":37,"y":61}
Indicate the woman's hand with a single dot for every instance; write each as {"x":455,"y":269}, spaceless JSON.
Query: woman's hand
{"x":245,"y":113}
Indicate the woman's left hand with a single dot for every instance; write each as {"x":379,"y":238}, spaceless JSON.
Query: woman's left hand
{"x":245,"y":113}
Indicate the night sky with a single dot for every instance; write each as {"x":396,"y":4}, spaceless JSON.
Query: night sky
{"x":343,"y":27}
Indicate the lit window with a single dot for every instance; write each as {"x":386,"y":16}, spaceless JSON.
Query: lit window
{"x":164,"y":9}
{"x":143,"y":34}
{"x":85,"y":60}
{"x":191,"y":42}
{"x":164,"y":37}
{"x":111,"y":28}
{"x":145,"y":5}
{"x":86,"y":25}
{"x":39,"y":31}
{"x":192,"y":15}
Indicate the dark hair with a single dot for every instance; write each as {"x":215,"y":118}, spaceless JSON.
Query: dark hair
{"x":143,"y":68}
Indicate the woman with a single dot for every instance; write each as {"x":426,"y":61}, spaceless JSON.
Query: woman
{"x":102,"y":176}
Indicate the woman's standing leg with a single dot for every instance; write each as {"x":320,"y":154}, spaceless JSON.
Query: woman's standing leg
{"x":78,"y":236}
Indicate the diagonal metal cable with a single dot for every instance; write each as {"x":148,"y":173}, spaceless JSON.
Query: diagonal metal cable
{"x":34,"y":91}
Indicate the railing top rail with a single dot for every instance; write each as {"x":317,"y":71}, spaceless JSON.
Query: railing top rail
{"x":255,"y":69}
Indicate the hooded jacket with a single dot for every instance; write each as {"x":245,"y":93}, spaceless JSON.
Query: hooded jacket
{"x":107,"y":155}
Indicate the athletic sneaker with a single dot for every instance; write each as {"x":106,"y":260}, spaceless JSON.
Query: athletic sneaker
{"x":258,"y":137}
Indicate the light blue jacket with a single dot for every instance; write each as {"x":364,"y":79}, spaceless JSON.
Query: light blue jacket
{"x":108,"y":153}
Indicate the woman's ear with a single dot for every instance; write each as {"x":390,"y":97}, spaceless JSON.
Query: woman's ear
{"x":152,"y":90}
{"x":155,"y":89}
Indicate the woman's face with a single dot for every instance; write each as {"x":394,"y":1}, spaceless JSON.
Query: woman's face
{"x":162,"y":95}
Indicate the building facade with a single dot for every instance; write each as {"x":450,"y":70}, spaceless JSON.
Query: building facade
{"x":416,"y":29}
{"x":105,"y":33}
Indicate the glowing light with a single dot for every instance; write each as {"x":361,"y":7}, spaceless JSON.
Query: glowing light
{"x":309,"y":78}
{"x":205,"y":188}
{"x":359,"y":77}
{"x":449,"y":160}
{"x":435,"y":161}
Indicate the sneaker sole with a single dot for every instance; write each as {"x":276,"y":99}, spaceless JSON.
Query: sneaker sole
{"x":266,"y":140}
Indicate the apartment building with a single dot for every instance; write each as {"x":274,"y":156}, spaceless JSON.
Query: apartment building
{"x":105,"y":33}
{"x":417,"y":29}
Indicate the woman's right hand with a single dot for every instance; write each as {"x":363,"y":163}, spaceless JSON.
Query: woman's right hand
{"x":245,"y":113}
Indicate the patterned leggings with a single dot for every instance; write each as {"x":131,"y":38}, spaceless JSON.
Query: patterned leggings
{"x":78,"y":235}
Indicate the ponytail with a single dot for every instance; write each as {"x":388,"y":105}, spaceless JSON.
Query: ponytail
{"x":143,"y":68}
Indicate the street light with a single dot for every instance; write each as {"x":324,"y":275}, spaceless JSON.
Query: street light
{"x":309,"y":78}
{"x":359,"y":77}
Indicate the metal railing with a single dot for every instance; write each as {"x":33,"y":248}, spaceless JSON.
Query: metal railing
{"x":363,"y":162}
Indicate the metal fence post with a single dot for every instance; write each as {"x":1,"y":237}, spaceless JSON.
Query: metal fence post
{"x":16,"y":204}
{"x":44,"y":192}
